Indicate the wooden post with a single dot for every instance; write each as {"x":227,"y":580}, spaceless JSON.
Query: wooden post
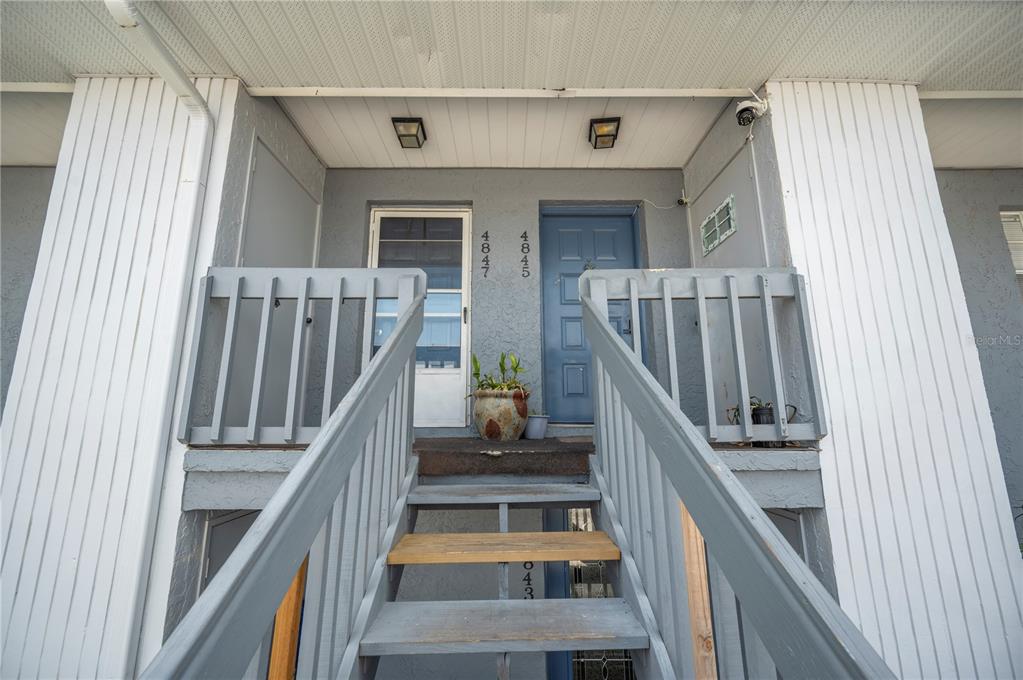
{"x":287,"y":620}
{"x":700,"y":621}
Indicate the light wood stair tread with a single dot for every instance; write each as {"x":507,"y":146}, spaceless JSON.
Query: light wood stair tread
{"x":533,"y":546}
{"x":512,"y":494}
{"x":503,"y":626}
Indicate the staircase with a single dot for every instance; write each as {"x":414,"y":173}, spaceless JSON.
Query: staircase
{"x":501,"y":625}
{"x":349,"y":505}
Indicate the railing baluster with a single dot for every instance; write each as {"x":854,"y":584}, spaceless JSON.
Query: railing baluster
{"x":352,"y":529}
{"x":620,"y":465}
{"x":198,"y":335}
{"x":409,"y":405}
{"x":739,"y":350}
{"x":226,"y":361}
{"x":809,"y":355}
{"x":644,"y":521}
{"x":362,"y":560}
{"x":333,"y":575}
{"x":669,"y":331}
{"x":335,"y":326}
{"x":628,"y":459}
{"x":377,"y":483}
{"x":369,"y":323}
{"x":292,"y":415}
{"x":663,"y":564}
{"x":781,"y":425}
{"x":637,"y":338}
{"x":599,"y":436}
{"x":387,"y":459}
{"x":708,"y":378}
{"x":262,"y":359}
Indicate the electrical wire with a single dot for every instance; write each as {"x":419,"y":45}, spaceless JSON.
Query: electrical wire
{"x":660,"y":207}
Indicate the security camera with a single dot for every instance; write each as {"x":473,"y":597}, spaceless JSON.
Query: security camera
{"x":749,"y":110}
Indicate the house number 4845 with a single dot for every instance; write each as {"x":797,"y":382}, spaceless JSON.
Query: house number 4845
{"x":524,"y":248}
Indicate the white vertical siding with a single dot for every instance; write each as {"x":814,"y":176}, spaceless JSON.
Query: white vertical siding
{"x":925,"y":553}
{"x":84,"y":430}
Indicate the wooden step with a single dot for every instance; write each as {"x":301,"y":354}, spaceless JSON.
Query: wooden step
{"x":566,"y":495}
{"x":503,"y":626}
{"x":526,"y":546}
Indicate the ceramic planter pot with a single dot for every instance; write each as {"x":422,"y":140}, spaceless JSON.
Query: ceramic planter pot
{"x":536,"y":427}
{"x":500,"y":415}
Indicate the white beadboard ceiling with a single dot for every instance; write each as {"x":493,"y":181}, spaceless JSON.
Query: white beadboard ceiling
{"x":942,"y":45}
{"x":31,"y":127}
{"x":508,"y":133}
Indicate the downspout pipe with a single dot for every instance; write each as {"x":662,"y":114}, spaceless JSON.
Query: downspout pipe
{"x":187,"y":219}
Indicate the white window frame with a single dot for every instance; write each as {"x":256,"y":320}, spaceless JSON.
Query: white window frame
{"x":714,"y":219}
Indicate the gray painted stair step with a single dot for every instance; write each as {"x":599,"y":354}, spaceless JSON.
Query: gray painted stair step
{"x":495,"y":494}
{"x":503,"y":626}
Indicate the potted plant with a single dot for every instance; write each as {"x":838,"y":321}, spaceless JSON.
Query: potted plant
{"x":536,"y":426}
{"x":762,"y":413}
{"x":499,"y":407}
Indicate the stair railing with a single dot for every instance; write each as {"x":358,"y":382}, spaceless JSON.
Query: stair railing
{"x":346,"y":493}
{"x":650,"y":457}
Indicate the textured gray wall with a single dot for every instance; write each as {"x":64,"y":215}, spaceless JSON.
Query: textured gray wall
{"x":971,"y":200}
{"x":24,"y":194}
{"x":506,"y":306}
{"x":724,"y":165}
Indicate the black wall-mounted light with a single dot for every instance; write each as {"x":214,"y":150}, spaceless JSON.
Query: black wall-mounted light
{"x":411,"y":132}
{"x":604,"y":132}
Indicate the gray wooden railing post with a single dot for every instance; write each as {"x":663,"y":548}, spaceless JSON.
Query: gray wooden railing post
{"x":195,"y":352}
{"x":773,"y":358}
{"x":708,"y":361}
{"x":262,"y":359}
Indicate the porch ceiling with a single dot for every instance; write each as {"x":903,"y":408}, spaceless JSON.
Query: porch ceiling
{"x":942,"y":45}
{"x":503,"y":133}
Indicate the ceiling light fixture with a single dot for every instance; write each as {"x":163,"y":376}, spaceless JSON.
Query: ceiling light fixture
{"x":604,"y":132}
{"x":411,"y":132}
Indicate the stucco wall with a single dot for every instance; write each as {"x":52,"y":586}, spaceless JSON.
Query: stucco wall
{"x":971,"y":200}
{"x":739,"y":162}
{"x":506,"y":307}
{"x":263,"y":119}
{"x":24,"y":194}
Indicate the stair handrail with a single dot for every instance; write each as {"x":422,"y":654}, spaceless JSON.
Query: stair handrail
{"x":223,"y":628}
{"x":803,"y":627}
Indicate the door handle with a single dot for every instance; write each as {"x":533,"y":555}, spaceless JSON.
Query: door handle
{"x":465,"y":315}
{"x":628,"y":327}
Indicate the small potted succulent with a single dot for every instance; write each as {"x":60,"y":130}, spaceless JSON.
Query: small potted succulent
{"x":536,"y":426}
{"x":499,"y":407}
{"x":761,"y":413}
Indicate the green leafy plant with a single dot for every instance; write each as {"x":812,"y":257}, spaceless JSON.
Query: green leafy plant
{"x":754,"y":402}
{"x":509,"y":367}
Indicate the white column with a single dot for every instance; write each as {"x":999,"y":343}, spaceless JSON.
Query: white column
{"x":924,"y":549}
{"x":87,"y":422}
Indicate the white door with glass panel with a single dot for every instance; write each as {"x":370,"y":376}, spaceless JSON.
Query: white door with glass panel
{"x":436,"y":241}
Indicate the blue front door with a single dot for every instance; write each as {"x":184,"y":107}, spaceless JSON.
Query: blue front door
{"x":569,"y":245}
